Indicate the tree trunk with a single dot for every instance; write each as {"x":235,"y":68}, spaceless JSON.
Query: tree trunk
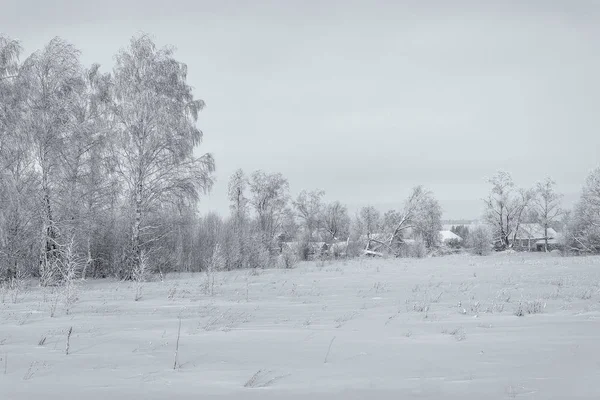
{"x":506,"y":233}
{"x":546,"y":238}
{"x":89,"y":259}
{"x":506,"y":241}
{"x":136,"y":249}
{"x":49,"y":249}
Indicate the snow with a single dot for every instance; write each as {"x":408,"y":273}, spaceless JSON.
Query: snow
{"x":436,"y":328}
{"x":534,"y":231}
{"x":448,"y":235}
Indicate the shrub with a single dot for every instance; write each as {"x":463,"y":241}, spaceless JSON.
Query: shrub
{"x":529,"y":307}
{"x":454,"y":243}
{"x":259,"y":256}
{"x":480,"y":240}
{"x":443,"y":251}
{"x":301,"y":249}
{"x":355,"y":248}
{"x":287,"y":258}
{"x":415,"y":249}
{"x":338,"y":249}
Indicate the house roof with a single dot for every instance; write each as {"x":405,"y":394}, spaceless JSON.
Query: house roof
{"x":550,"y":241}
{"x":534,"y":231}
{"x":449,"y":235}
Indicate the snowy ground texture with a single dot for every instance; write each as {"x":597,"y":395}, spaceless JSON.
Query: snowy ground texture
{"x":459,"y":327}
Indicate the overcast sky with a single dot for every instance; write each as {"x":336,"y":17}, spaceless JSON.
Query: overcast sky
{"x":367,"y":99}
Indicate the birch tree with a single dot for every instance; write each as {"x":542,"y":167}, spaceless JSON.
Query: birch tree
{"x":155,"y":116}
{"x":9,"y":66}
{"x":52,"y":81}
{"x":505,"y":207}
{"x":87,"y":181}
{"x":19,"y":217}
{"x":236,"y":192}
{"x":499,"y":208}
{"x":546,"y":206}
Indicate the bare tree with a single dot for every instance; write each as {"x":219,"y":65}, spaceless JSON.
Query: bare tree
{"x":584,"y":228}
{"x":104,"y":165}
{"x":10,"y":50}
{"x":236,"y":191}
{"x":238,"y":253}
{"x":19,"y":219}
{"x":505,"y":207}
{"x":336,"y":221}
{"x":591,"y":197}
{"x":155,"y":114}
{"x":499,"y":208}
{"x":309,"y":207}
{"x":410,"y":212}
{"x":418,"y":207}
{"x":522,"y":207}
{"x":546,"y":206}
{"x":269,"y":199}
{"x":369,"y":221}
{"x":52,"y":79}
{"x":17,"y":176}
{"x":427,"y":221}
{"x":87,"y":181}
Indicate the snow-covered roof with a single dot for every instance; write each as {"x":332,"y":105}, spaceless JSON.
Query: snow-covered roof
{"x":534,"y":231}
{"x":449,"y":235}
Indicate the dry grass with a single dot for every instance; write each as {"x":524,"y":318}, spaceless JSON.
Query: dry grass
{"x":263,"y":378}
{"x":458,"y":333}
{"x":34,"y":368}
{"x":353,"y":303}
{"x":529,"y":307}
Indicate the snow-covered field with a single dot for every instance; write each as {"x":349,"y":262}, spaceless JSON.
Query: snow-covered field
{"x":439,"y":328}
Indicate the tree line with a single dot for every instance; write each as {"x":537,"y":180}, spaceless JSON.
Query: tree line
{"x":266,"y":226}
{"x":507,"y":207}
{"x":99,"y":173}
{"x":286,"y":228}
